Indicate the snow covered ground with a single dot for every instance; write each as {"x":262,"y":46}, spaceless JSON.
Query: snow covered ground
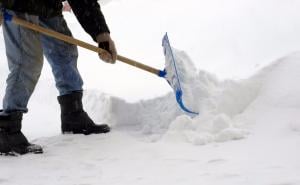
{"x":153,"y":144}
{"x":248,"y":130}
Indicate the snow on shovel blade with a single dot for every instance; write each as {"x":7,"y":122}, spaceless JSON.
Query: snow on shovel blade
{"x":171,"y":74}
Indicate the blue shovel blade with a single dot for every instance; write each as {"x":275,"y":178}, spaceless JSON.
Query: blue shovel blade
{"x":171,"y":74}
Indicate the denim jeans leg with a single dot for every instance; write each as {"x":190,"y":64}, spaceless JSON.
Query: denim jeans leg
{"x":61,"y":56}
{"x":25,"y":61}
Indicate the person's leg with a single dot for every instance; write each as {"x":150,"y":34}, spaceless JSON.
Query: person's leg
{"x":63,"y":60}
{"x":61,"y":56}
{"x":25,"y":61}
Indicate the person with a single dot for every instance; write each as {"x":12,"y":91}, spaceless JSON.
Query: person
{"x":24,"y":51}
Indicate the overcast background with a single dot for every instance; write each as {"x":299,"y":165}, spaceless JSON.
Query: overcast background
{"x":231,"y":39}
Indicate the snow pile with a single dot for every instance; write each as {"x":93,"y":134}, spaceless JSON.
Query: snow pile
{"x":222,"y":105}
{"x":278,"y":102}
{"x":219,"y":104}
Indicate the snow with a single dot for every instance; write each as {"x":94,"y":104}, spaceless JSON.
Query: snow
{"x":247,"y":132}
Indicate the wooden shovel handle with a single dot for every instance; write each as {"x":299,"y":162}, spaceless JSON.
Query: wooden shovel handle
{"x":80,"y":43}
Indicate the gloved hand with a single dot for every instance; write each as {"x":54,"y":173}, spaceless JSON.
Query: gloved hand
{"x":106,"y":43}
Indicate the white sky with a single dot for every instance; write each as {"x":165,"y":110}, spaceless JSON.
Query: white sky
{"x":230,"y":39}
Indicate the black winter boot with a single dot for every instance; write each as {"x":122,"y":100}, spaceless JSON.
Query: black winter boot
{"x":74,"y":119}
{"x":12,"y":140}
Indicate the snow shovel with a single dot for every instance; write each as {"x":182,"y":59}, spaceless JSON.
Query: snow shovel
{"x":171,"y":70}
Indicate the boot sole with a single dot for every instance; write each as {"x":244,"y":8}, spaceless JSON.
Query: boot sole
{"x":32,"y":148}
{"x":85,"y":132}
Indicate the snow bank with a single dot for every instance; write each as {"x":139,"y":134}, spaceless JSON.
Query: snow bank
{"x":219,"y":104}
{"x":277,"y":106}
{"x":224,"y":106}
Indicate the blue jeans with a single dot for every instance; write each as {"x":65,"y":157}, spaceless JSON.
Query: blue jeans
{"x":24,"y":51}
